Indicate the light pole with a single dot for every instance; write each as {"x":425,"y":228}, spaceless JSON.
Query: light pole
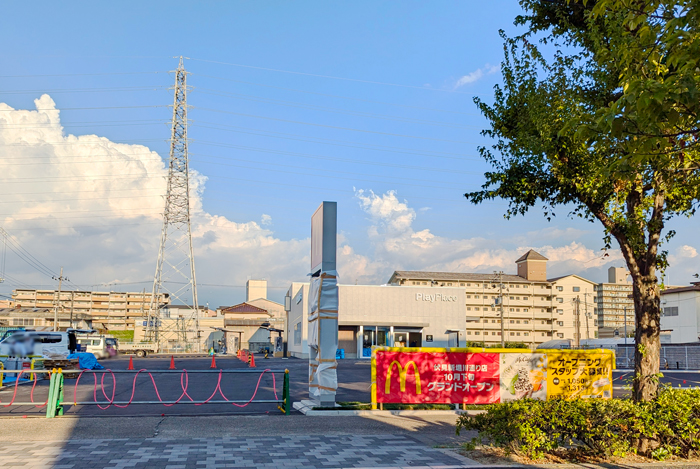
{"x":624,"y":308}
{"x":60,"y":279}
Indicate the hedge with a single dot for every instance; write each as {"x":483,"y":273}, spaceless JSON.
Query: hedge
{"x":670,"y":423}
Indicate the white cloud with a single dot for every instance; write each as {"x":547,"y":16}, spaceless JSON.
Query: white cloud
{"x":476,"y":75}
{"x":266,"y":219}
{"x":397,"y":246}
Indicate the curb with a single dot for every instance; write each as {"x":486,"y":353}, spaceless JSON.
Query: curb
{"x":307,"y":408}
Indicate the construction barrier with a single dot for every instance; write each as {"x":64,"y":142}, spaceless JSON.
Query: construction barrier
{"x":487,"y":376}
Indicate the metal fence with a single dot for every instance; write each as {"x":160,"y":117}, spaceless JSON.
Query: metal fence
{"x":673,"y":357}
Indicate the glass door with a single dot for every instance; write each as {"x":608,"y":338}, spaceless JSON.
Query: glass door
{"x":368,"y":340}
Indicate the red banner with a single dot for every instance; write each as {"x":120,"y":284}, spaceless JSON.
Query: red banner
{"x":437,"y":377}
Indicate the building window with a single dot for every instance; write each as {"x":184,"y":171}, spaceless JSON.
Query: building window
{"x":526,"y":322}
{"x":22,"y":322}
{"x":518,"y":334}
{"x":517,"y":310}
{"x":517,"y":286}
{"x":512,"y":310}
{"x":543,"y":334}
{"x":512,"y":297}
{"x":476,"y":308}
{"x":449,"y":284}
{"x":512,"y":321}
{"x":512,"y":333}
{"x":671,"y":311}
{"x":469,"y":308}
{"x":526,"y":334}
{"x":476,"y":296}
{"x":461,"y":284}
{"x":476,"y":333}
{"x":469,"y":284}
{"x":469,"y":296}
{"x":560,"y":300}
{"x":518,"y":321}
{"x":560,"y":311}
{"x":560,"y":335}
{"x":525,"y":310}
{"x":560,"y":288}
{"x":560,"y":323}
{"x":577,"y":289}
{"x":425,"y":283}
{"x":517,"y":298}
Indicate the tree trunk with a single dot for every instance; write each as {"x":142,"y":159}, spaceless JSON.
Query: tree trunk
{"x":647,"y":336}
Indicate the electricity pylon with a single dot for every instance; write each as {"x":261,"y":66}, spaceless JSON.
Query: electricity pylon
{"x":175,"y":275}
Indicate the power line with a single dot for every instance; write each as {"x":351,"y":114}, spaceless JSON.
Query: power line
{"x":328,"y":76}
{"x":82,"y":74}
{"x":313,"y":107}
{"x":87,"y":90}
{"x":326,"y":95}
{"x":331,"y":126}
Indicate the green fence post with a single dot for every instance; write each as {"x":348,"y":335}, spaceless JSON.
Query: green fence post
{"x":51,"y":403}
{"x":59,"y":393}
{"x":285,"y":391}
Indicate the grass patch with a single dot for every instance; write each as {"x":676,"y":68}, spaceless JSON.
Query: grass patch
{"x":125,"y":336}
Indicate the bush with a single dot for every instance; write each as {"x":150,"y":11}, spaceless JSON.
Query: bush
{"x":671,"y":424}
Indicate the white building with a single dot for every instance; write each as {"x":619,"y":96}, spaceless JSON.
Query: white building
{"x":383,"y":315}
{"x":680,"y":313}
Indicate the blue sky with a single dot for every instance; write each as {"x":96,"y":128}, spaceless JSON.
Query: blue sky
{"x":293,"y":103}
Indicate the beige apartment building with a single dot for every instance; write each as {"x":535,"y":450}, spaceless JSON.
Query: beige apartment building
{"x":613,"y":302}
{"x":108,"y":310}
{"x":535,"y":309}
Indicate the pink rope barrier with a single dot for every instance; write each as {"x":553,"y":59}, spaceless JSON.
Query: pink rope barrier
{"x":184,"y":384}
{"x":31,"y":394}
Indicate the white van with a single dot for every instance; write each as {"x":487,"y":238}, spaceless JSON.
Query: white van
{"x":26,"y":343}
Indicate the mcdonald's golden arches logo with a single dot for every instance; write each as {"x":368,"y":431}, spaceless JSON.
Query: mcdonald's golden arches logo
{"x":402,"y":376}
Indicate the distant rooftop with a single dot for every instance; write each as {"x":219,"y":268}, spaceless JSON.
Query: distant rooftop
{"x":458,"y":276}
{"x":531,"y":255}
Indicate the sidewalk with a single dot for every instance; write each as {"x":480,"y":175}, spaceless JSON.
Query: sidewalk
{"x":312,"y":452}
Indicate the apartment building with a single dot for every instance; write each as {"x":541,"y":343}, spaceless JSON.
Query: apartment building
{"x":108,"y":310}
{"x":535,"y":309}
{"x":614,"y":303}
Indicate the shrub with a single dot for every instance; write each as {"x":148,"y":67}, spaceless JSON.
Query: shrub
{"x":671,"y":424}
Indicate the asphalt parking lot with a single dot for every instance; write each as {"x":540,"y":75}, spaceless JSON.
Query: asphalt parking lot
{"x":353,"y":377}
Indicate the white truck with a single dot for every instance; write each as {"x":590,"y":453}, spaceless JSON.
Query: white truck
{"x":140,"y":349}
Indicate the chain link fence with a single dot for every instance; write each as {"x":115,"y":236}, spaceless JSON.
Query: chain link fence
{"x":673,"y":357}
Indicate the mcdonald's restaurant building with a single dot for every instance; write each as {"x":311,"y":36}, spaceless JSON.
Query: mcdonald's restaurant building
{"x":382,"y":315}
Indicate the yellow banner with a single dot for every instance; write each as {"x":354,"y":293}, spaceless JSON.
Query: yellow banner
{"x":580,"y":373}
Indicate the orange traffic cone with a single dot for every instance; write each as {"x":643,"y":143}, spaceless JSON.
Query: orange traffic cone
{"x":172,"y":362}
{"x":252,"y":360}
{"x":238,"y":354}
{"x":131,"y":363}
{"x":213,"y":362}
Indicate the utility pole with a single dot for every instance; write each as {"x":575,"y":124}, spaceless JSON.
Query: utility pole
{"x":499,"y":276}
{"x":585,"y":303}
{"x":72,"y":300}
{"x":175,"y":273}
{"x":578,"y":321}
{"x":60,"y":279}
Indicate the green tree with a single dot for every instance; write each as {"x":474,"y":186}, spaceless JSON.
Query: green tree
{"x":598,"y":115}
